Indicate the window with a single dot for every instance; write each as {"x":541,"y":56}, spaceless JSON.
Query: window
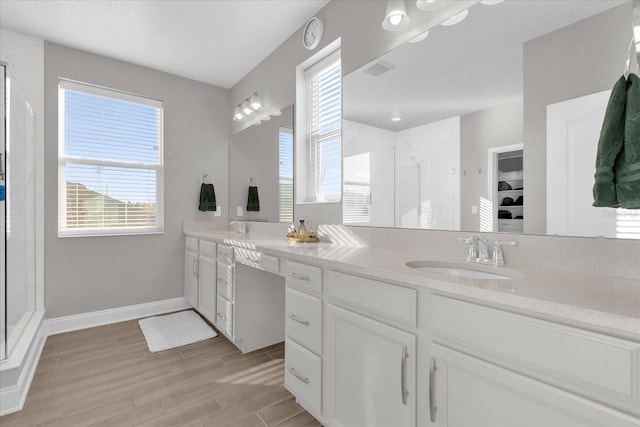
{"x":110,"y":169}
{"x":286,"y":175}
{"x":323,"y":82}
{"x":356,"y":203}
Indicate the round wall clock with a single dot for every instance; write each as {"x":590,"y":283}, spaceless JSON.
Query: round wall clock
{"x":312,"y":33}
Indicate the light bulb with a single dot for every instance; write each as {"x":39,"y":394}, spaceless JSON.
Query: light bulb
{"x":246,"y":109}
{"x":395,"y":19}
{"x":237,"y":114}
{"x":255,"y":103}
{"x":396,"y":118}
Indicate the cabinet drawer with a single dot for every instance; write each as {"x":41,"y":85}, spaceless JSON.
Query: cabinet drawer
{"x":510,"y":224}
{"x":224,"y":316}
{"x":304,"y":319}
{"x":225,"y":253}
{"x":374,"y":297}
{"x":224,"y":279}
{"x":594,"y":365}
{"x":304,"y":276}
{"x":302,"y":374}
{"x":191,"y":244}
{"x":208,"y":249}
{"x":257,"y":260}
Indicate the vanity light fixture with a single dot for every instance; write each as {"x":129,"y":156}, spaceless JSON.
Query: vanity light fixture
{"x":429,"y":4}
{"x":396,"y":17}
{"x":419,"y":37}
{"x":248,"y":107}
{"x":456,"y":19}
{"x":396,"y":117}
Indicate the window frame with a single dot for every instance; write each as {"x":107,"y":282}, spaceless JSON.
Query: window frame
{"x":65,"y":159}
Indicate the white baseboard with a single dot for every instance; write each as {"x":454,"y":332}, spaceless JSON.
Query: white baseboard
{"x":76,"y":322}
{"x":21,"y":366}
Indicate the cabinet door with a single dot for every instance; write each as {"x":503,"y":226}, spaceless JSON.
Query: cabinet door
{"x":470,"y":392}
{"x":207,"y":288}
{"x":371,"y":371}
{"x":191,"y":278}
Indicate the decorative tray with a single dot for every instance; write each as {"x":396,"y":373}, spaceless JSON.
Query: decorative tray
{"x":303,"y":239}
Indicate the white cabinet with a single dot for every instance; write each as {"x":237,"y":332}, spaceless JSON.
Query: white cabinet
{"x":191,"y":277}
{"x":207,"y":288}
{"x":494,"y":368}
{"x":469,"y":392}
{"x":303,"y":329}
{"x":371,"y":372}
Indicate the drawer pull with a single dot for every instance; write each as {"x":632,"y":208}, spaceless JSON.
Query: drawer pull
{"x":299,"y":277}
{"x":295,"y":319}
{"x":432,"y":398}
{"x":297,"y":375}
{"x":403,"y":375}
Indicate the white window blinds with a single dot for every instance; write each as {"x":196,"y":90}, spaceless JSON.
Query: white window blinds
{"x":324,"y":119}
{"x":356,"y":203}
{"x":286,"y":175}
{"x":110,"y":170}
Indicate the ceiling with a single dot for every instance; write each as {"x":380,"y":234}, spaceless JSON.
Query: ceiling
{"x":456,"y":70}
{"x":212,"y":41}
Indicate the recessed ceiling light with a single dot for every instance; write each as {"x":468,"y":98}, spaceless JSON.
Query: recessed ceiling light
{"x":396,"y":118}
{"x":419,"y":37}
{"x":456,"y":19}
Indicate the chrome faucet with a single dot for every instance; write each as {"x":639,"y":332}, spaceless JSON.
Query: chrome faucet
{"x":479,"y":250}
{"x":242,"y":227}
{"x":498,"y":257}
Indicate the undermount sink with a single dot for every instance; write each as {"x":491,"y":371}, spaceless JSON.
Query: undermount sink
{"x":456,"y":270}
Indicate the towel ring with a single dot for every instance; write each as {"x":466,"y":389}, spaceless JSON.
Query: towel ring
{"x":204,"y":177}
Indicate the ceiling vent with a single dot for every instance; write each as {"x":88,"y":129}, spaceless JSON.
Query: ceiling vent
{"x":380,"y":67}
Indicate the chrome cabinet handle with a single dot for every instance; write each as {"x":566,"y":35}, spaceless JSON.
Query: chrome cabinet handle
{"x":299,"y":277}
{"x":295,"y":319}
{"x":297,"y":375}
{"x":194,"y":268}
{"x":432,"y":399}
{"x":403,"y":375}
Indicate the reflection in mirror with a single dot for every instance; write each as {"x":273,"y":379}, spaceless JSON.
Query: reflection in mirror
{"x":429,"y":126}
{"x":262,"y":156}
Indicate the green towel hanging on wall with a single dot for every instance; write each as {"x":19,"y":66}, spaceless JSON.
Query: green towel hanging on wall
{"x":627,"y":168}
{"x":609,"y":147}
{"x":253,"y":202}
{"x":207,"y":198}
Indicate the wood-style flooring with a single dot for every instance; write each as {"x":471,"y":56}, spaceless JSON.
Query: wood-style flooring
{"x":106,"y":376}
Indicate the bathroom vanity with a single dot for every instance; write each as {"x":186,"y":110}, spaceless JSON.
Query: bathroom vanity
{"x":372,"y":341}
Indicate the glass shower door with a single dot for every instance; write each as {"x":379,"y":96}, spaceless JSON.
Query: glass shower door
{"x":17,"y":222}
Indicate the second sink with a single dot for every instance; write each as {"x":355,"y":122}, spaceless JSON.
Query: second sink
{"x":456,"y":270}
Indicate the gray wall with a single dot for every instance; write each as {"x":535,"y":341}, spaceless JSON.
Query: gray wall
{"x":572,"y":62}
{"x":86,"y":274}
{"x":480,"y":131}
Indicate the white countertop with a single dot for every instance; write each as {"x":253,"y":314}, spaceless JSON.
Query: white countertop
{"x":601,"y":301}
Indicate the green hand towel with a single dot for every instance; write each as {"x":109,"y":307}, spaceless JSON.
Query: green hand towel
{"x":609,"y":147}
{"x":627,"y":167}
{"x":253,"y":202}
{"x":207,"y":198}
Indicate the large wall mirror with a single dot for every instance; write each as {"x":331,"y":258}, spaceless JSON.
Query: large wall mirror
{"x":261,"y":156}
{"x":490,"y":124}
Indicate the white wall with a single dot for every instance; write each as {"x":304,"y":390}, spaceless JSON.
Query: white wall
{"x":86,"y":274}
{"x":436,"y":147}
